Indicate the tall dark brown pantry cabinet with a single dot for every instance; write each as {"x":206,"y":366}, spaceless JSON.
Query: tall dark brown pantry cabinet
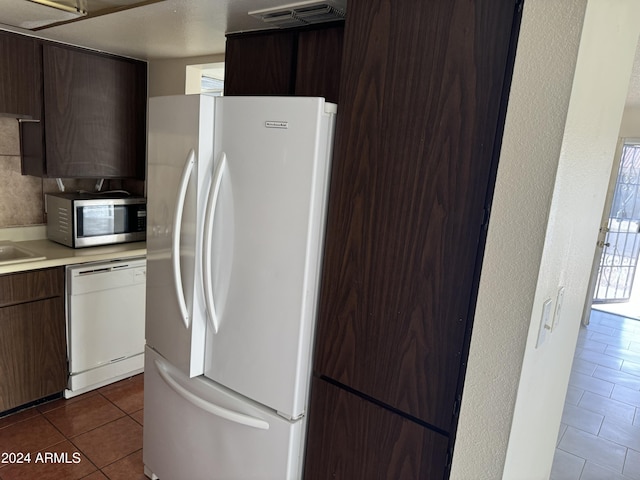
{"x":423,"y":95}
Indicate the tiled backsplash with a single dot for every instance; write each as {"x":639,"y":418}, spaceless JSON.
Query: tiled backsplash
{"x":22,"y":196}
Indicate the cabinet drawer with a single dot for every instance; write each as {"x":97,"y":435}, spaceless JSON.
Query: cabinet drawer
{"x":29,"y":286}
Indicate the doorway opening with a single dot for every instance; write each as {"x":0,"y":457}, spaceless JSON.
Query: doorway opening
{"x":600,"y":429}
{"x":615,"y":286}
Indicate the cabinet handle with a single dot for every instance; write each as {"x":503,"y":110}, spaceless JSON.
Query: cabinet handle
{"x":175,"y":241}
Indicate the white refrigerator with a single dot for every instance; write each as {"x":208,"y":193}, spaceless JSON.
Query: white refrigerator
{"x":237,"y":191}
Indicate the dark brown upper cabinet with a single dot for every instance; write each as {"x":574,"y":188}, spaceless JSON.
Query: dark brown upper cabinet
{"x":285,"y":62}
{"x":259,"y":64}
{"x":94,"y":123}
{"x":318,"y":59}
{"x":20,"y":76}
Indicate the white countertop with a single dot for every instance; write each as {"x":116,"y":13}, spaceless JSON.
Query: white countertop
{"x":57,"y":255}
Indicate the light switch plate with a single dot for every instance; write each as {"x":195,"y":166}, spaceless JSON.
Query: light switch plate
{"x":556,"y":314}
{"x":545,"y":322}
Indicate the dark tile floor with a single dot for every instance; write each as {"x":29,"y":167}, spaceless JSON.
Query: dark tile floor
{"x":94,"y":436}
{"x":600,"y":432}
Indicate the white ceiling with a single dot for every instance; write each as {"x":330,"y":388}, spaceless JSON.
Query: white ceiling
{"x":178,"y":28}
{"x":166,"y":29}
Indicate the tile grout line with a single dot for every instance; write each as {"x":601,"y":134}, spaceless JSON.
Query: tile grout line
{"x":69,"y":438}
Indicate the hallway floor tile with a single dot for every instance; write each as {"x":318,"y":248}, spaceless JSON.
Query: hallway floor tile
{"x":600,"y":431}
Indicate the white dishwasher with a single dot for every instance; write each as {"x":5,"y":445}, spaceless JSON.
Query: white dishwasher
{"x":105,"y":304}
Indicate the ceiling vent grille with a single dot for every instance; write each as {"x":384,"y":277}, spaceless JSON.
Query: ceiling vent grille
{"x":302,"y":13}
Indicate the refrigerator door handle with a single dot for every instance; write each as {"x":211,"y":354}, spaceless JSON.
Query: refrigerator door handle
{"x":209,"y":407}
{"x":175,"y":241}
{"x":212,"y":202}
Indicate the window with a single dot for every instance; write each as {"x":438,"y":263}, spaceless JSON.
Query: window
{"x":205,"y":78}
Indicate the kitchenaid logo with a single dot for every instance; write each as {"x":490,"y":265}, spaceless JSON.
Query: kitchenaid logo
{"x":275,"y":124}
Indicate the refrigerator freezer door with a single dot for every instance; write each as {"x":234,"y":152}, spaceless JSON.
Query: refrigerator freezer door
{"x":197,"y":430}
{"x":277,"y":154}
{"x":180,"y":163}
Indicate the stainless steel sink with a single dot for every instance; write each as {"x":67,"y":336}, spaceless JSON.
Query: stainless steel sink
{"x":12,"y":253}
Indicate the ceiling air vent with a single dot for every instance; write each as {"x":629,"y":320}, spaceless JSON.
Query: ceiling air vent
{"x":302,"y":13}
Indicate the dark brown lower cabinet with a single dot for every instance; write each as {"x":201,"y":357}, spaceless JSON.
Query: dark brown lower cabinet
{"x":351,"y":438}
{"x":32,"y":337}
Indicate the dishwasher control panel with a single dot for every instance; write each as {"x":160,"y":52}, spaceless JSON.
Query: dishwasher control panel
{"x":99,"y":276}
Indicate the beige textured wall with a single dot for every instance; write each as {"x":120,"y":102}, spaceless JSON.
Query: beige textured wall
{"x":536,"y":114}
{"x":630,"y":126}
{"x":168,"y":77}
{"x":562,"y":124}
{"x":20,"y":196}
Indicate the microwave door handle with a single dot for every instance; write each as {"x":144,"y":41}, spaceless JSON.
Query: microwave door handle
{"x":212,"y":202}
{"x":175,"y":241}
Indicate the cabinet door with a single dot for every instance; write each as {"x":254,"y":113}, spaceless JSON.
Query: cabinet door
{"x":95,"y":114}
{"x":353,"y":439}
{"x":32,"y":352}
{"x":418,"y":130}
{"x":20,"y":76}
{"x":259,"y":64}
{"x":318,"y":63}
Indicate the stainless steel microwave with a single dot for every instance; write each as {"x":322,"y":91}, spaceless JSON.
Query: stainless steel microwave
{"x":87,"y":220}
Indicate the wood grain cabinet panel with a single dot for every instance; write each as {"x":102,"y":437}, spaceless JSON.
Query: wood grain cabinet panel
{"x":418,"y":132}
{"x":259,"y":64}
{"x":95,"y":114}
{"x":32,"y":337}
{"x":20,"y":76}
{"x":353,"y":439}
{"x":32,"y":352}
{"x":303,"y":61}
{"x":30,"y":286}
{"x":319,"y":59}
